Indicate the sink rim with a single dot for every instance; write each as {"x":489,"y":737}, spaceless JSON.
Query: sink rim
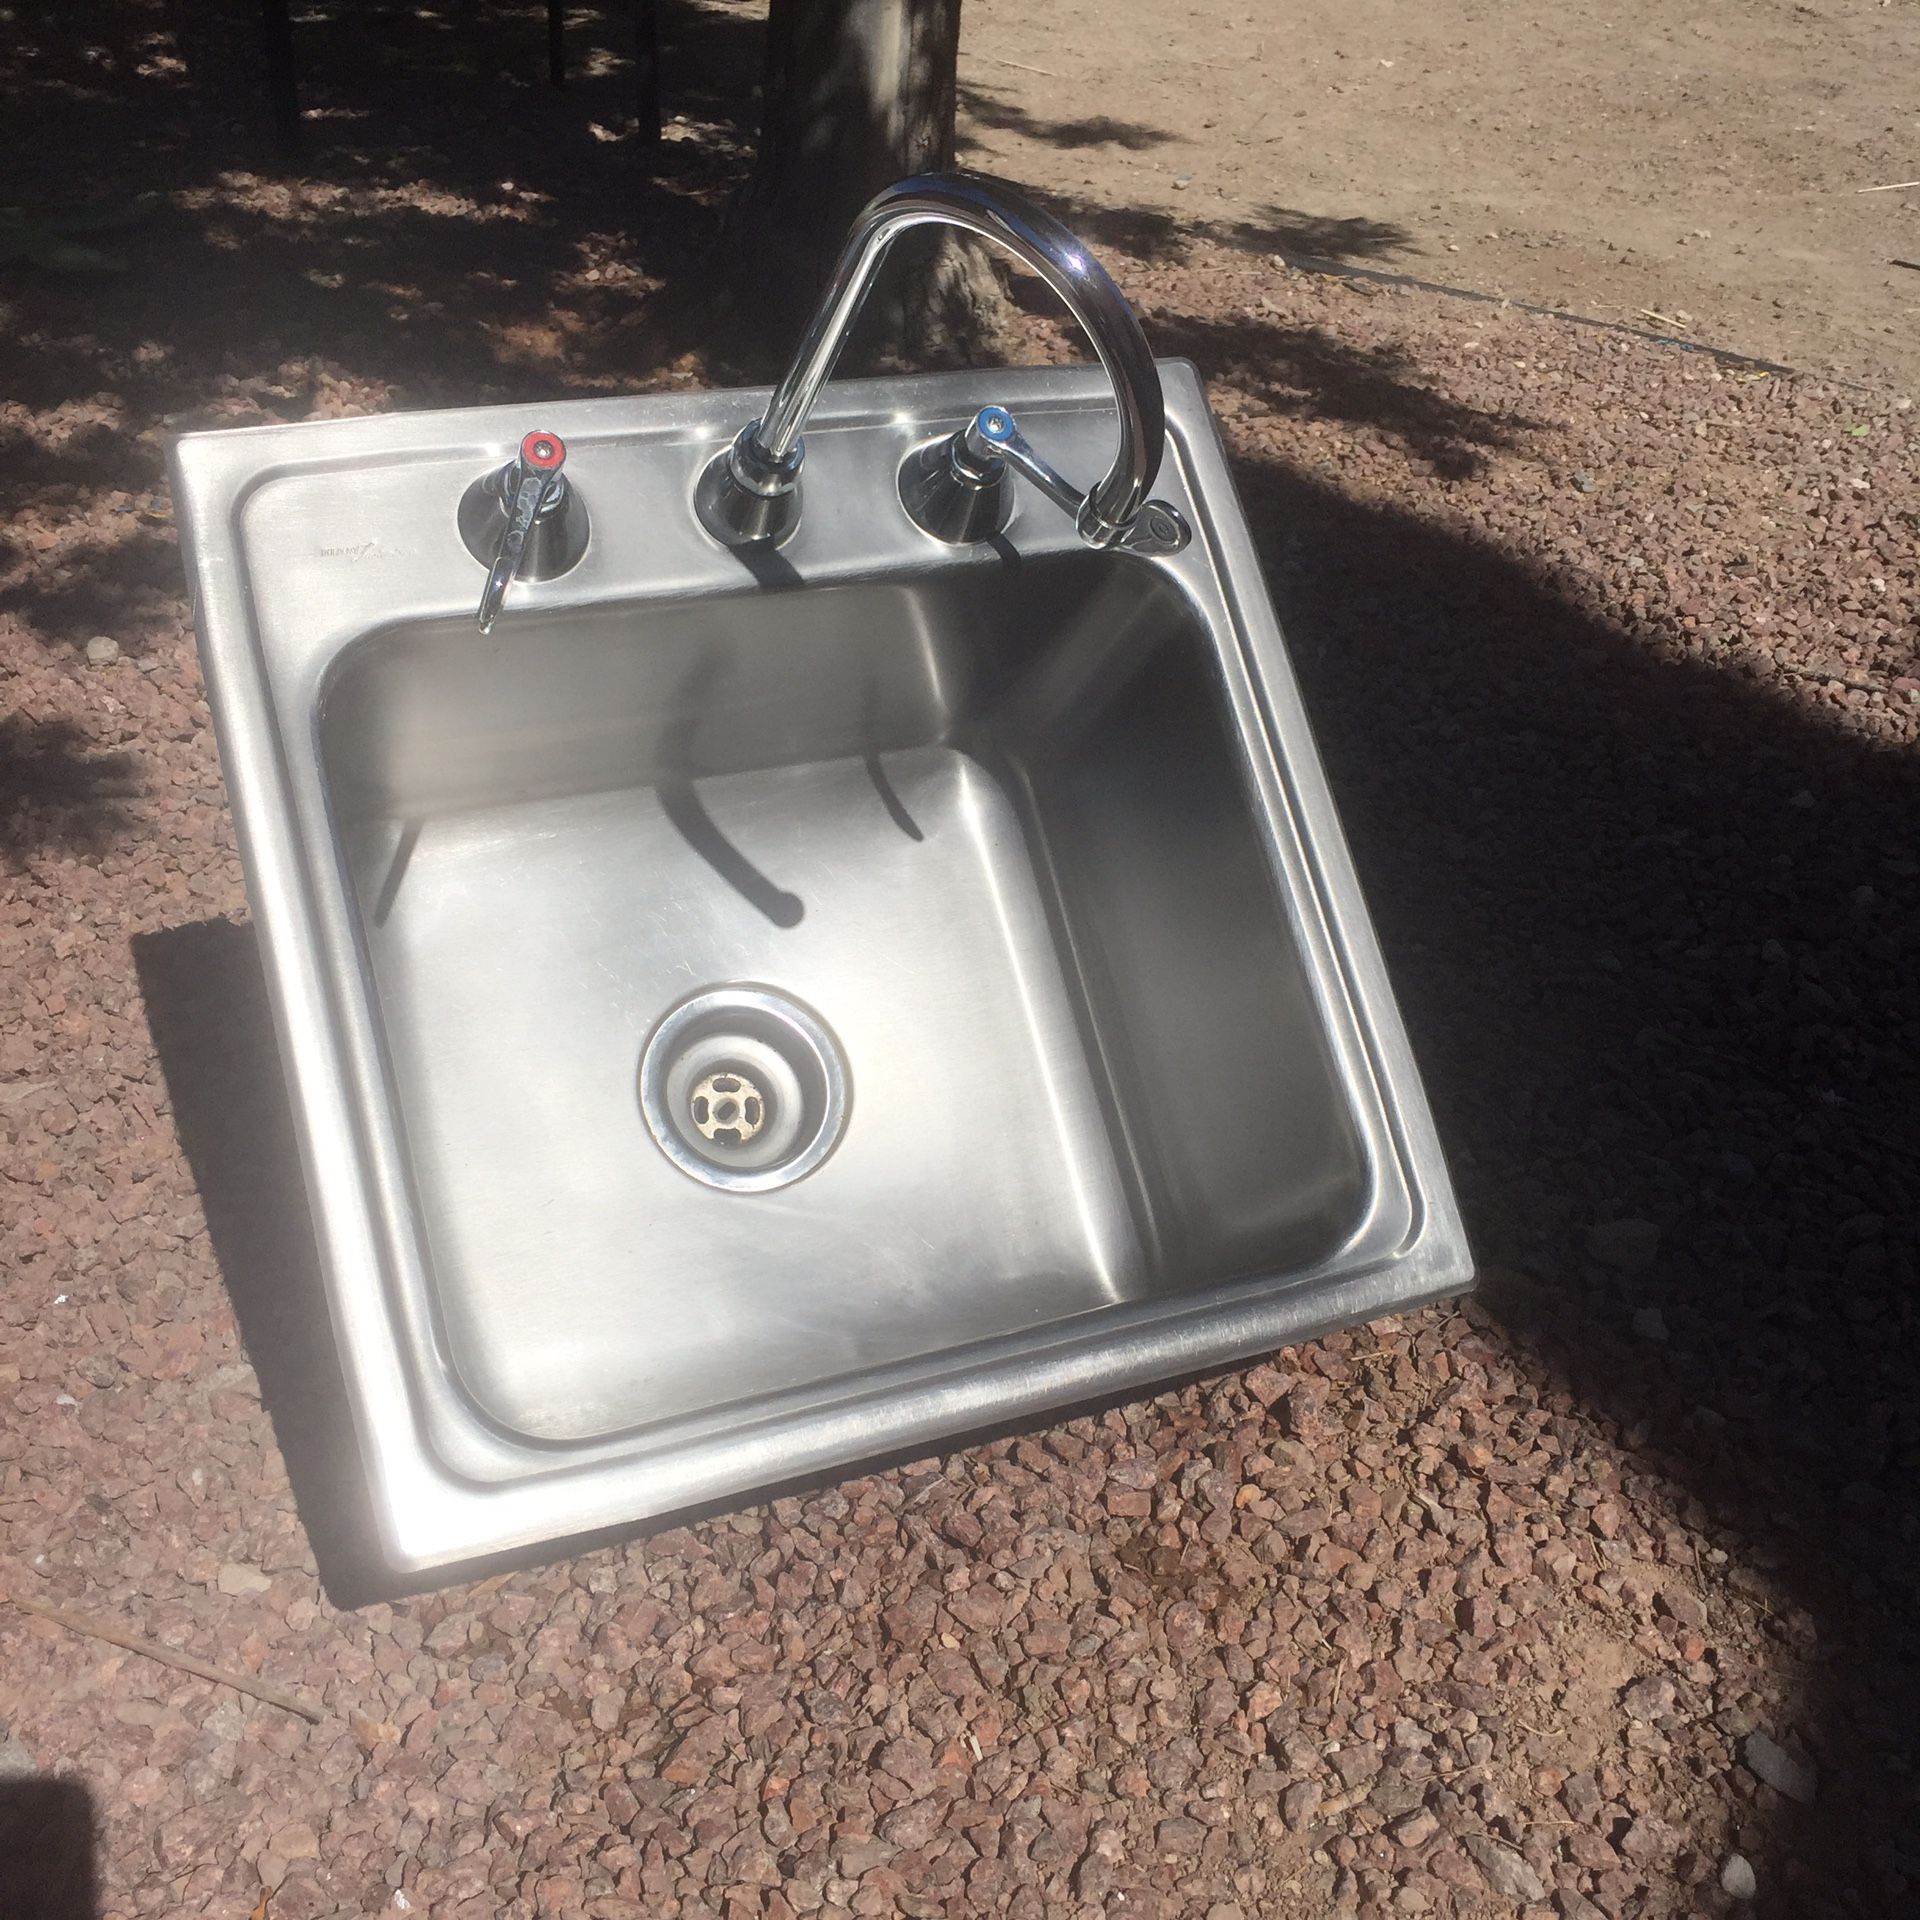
{"x":448,"y":1484}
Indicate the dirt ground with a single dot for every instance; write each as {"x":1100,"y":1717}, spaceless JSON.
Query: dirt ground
{"x":1589,"y":1596}
{"x":1684,"y":170}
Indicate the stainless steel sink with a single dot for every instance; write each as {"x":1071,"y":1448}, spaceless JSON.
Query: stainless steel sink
{"x":755,"y":1011}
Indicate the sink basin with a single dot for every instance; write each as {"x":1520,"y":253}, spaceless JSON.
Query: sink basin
{"x":749,"y":1014}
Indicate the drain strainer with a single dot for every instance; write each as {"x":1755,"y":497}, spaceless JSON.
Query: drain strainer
{"x":743,"y":1088}
{"x":728,"y":1109}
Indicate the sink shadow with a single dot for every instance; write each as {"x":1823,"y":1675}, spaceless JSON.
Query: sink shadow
{"x":1652,"y":925}
{"x":207,"y":1008}
{"x":47,"y":1850}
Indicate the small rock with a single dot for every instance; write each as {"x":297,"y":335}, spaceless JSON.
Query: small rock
{"x":1628,"y":1246}
{"x":1576,"y":1906}
{"x":1586,"y":1848}
{"x":102,"y":650}
{"x":1650,"y":1324}
{"x":1186,"y":1630}
{"x":1648,"y":1840}
{"x":1265,"y":1383}
{"x":1683,"y":1607}
{"x":1299,"y":1411}
{"x":369,"y":1731}
{"x":1300,"y":1803}
{"x":237,"y":1580}
{"x":16,"y":1763}
{"x":1263,"y":1697}
{"x":1583,"y":483}
{"x":1582,"y":1796}
{"x":910,"y":1826}
{"x":1415,"y":1829}
{"x":1736,"y":1877}
{"x":143,"y":1787}
{"x":1649,"y":1698}
{"x":858,"y":1855}
{"x":1507,"y":1874}
{"x":1768,"y":1760}
{"x":1180,"y":1836}
{"x":296,"y":1841}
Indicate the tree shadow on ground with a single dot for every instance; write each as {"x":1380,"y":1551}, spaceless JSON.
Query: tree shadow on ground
{"x":1308,"y":371}
{"x":1298,"y":237}
{"x":55,"y":790}
{"x":456,"y":223}
{"x":457,"y":233}
{"x":988,"y":107}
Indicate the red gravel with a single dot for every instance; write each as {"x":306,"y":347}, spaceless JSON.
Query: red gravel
{"x":1517,"y":1608}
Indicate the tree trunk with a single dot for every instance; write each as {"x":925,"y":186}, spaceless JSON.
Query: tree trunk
{"x":857,"y":94}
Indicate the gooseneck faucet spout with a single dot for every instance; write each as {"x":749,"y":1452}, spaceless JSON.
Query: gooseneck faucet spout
{"x":751,"y":493}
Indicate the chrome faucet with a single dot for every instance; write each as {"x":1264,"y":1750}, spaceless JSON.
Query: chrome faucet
{"x":523,"y":521}
{"x":957,"y":489}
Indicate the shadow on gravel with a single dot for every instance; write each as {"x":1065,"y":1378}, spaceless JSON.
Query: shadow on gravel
{"x":457,"y":231}
{"x":55,"y":791}
{"x":213,"y":1030}
{"x":1309,"y":372}
{"x":1655,"y":931}
{"x":46,"y":1850}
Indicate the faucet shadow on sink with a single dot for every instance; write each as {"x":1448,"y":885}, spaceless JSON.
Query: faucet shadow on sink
{"x":987,"y":824}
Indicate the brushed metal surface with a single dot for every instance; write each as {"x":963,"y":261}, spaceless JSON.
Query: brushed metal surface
{"x":1037,"y":832}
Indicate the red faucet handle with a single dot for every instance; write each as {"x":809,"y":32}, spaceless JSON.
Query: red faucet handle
{"x":543,"y":452}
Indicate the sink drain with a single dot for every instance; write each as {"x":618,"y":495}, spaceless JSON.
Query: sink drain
{"x":728,"y":1109}
{"x":743,"y":1088}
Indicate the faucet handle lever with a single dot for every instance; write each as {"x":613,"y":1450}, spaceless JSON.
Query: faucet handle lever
{"x":992,"y":436}
{"x":523,"y":518}
{"x":525,"y":484}
{"x":977,"y":459}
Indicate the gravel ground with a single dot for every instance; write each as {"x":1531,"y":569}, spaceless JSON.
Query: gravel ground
{"x":1592,"y":1596}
